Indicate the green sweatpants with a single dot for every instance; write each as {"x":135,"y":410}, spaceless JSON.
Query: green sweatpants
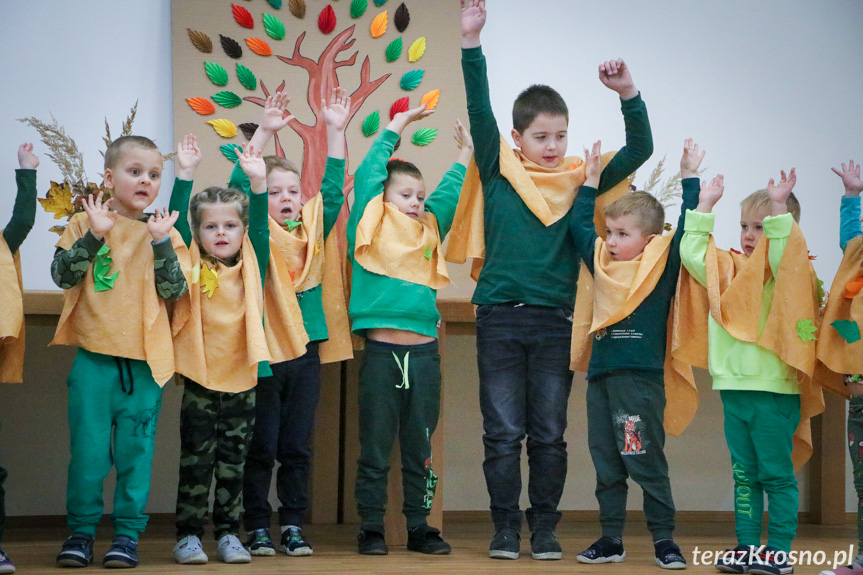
{"x":759,"y":429}
{"x":399,"y":393}
{"x":110,"y":394}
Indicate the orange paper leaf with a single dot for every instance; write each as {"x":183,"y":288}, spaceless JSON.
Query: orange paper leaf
{"x":379,"y":25}
{"x":201,"y":105}
{"x":259,"y":47}
{"x":430,"y":99}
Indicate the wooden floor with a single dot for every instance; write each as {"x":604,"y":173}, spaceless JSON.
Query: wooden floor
{"x":335,"y":552}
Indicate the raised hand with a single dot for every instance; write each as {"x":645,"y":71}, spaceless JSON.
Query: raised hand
{"x":275,"y":115}
{"x":253,"y":165}
{"x":593,"y":165}
{"x":473,"y":17}
{"x":101,"y":218}
{"x":465,"y":143}
{"x":337,"y":112}
{"x":27,"y":160}
{"x":691,"y":159}
{"x":614,"y":75}
{"x":159,"y":224}
{"x":402,"y":119}
{"x":850,"y":175}
{"x":778,"y":193}
{"x":710,"y":194}
{"x":188,"y":157}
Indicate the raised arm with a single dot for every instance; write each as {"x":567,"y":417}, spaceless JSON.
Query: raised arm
{"x":252,"y":164}
{"x":24,"y":211}
{"x":698,"y":225}
{"x":777,"y":229}
{"x":442,"y":203}
{"x":186,"y":161}
{"x":849,"y":215}
{"x":581,"y":225}
{"x":689,"y":164}
{"x":336,"y":117}
{"x":168,"y":275}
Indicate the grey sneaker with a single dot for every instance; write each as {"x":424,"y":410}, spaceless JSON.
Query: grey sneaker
{"x":189,"y":551}
{"x":544,"y":546}
{"x":260,"y":544}
{"x":230,"y":550}
{"x":505,"y":544}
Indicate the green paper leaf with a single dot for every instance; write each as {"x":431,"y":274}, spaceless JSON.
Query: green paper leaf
{"x":275,"y":3}
{"x":101,"y":267}
{"x":847,"y":329}
{"x":424,"y":136}
{"x":217,"y":74}
{"x":371,"y":124}
{"x":806,"y":330}
{"x":247,"y":79}
{"x":358,"y":8}
{"x":380,"y":2}
{"x":274,"y":27}
{"x":227,"y":99}
{"x":230,"y":151}
{"x":427,"y":254}
{"x":292,"y":225}
{"x":412,"y":79}
{"x":394,"y":50}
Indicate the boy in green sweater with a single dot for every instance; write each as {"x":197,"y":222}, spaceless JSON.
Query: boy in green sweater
{"x":394,"y":244}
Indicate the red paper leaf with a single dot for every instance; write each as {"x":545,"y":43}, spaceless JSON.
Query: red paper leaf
{"x":400,"y":105}
{"x":259,"y":47}
{"x":327,"y":20}
{"x":242,"y":16}
{"x":201,"y":105}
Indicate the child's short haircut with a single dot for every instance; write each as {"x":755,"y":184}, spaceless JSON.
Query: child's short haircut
{"x":647,"y":210}
{"x":761,"y":201}
{"x":277,"y":163}
{"x":115,"y":148}
{"x":535,"y":100}
{"x":396,"y":166}
{"x":217,"y":195}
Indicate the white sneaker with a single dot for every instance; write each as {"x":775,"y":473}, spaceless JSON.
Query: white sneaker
{"x":232,"y":551}
{"x":188,"y":551}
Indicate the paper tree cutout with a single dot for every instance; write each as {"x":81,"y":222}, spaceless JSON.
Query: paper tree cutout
{"x":847,"y":329}
{"x":101,"y":267}
{"x":806,"y":330}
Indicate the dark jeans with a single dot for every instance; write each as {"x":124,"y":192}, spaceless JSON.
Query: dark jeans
{"x":284,"y":421}
{"x":524,"y":385}
{"x":855,"y":447}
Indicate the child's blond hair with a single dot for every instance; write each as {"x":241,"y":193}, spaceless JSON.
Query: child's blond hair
{"x":116,"y":148}
{"x":277,"y":163}
{"x":646,"y":209}
{"x":760,"y":201}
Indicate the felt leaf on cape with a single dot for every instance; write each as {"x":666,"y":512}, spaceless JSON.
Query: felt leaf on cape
{"x":57,"y":230}
{"x":292,"y":225}
{"x":424,"y":136}
{"x":230,"y":151}
{"x":201,"y":105}
{"x":400,"y":105}
{"x":274,"y":27}
{"x":820,"y":289}
{"x":853,"y":287}
{"x":378,"y":26}
{"x":248,"y":129}
{"x":327,"y":20}
{"x":200,"y":41}
{"x":394,"y":50}
{"x":402,"y":17}
{"x":259,"y":47}
{"x":209,"y":280}
{"x":242,"y":16}
{"x":427,"y":254}
{"x":847,"y":329}
{"x":371,"y":124}
{"x":277,"y":4}
{"x":417,"y":49}
{"x":358,"y":8}
{"x":227,"y":99}
{"x":411,"y":79}
{"x":806,"y":330}
{"x":247,"y":79}
{"x":430,"y":99}
{"x":58,"y":201}
{"x":101,"y":267}
{"x":224,"y":128}
{"x":297,"y":8}
{"x":231,"y":47}
{"x":217,"y":74}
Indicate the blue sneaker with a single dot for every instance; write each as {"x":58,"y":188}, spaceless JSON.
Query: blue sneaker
{"x":123,"y":553}
{"x":77,"y":551}
{"x":294,"y":544}
{"x":6,"y":564}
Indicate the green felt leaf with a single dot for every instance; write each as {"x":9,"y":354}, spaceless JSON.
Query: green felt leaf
{"x":848,"y":330}
{"x":247,"y":79}
{"x":274,"y":27}
{"x":394,"y":50}
{"x":806,"y":330}
{"x":821,"y":293}
{"x":424,"y":136}
{"x":227,"y":99}
{"x":380,"y":2}
{"x":292,"y":225}
{"x":427,"y":254}
{"x":275,"y":3}
{"x":230,"y":151}
{"x":217,"y":74}
{"x":411,"y":79}
{"x":371,"y":124}
{"x":101,"y":267}
{"x":358,"y":8}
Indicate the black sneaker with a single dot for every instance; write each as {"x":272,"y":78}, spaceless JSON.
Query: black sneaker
{"x":123,"y":553}
{"x":766,"y":563}
{"x":371,"y":543}
{"x":77,"y":551}
{"x":427,"y":539}
{"x":294,"y":544}
{"x":668,"y":555}
{"x":734,"y":560}
{"x":260,"y":544}
{"x":544,"y":546}
{"x":505,"y":544}
{"x":603,"y":550}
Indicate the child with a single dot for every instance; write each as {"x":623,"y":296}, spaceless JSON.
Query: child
{"x":219,"y":345}
{"x":625,"y":385}
{"x":287,"y":401}
{"x":526,"y":288}
{"x":116,"y":315}
{"x":394,"y":242}
{"x":760,"y":304}
{"x":843,"y":352}
{"x":12,"y":320}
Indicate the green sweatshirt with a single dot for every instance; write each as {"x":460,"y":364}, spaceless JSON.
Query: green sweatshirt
{"x":735,"y":364}
{"x":526,"y":261}
{"x":379,"y":301}
{"x":24,"y":211}
{"x":332,"y":192}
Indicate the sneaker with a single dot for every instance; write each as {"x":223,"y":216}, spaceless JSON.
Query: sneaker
{"x":544,"y":546}
{"x":371,"y":543}
{"x":734,"y":560}
{"x":123,"y":553}
{"x":260,"y":544}
{"x":77,"y":551}
{"x":6,"y":565}
{"x":853,"y":569}
{"x":603,"y":550}
{"x":230,"y":550}
{"x":668,"y":555}
{"x":189,"y":551}
{"x":427,"y":539}
{"x":766,"y":564}
{"x":294,"y":544}
{"x":505,"y":544}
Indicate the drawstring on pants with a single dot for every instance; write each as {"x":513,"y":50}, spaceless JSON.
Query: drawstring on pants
{"x":405,"y":384}
{"x":121,"y":361}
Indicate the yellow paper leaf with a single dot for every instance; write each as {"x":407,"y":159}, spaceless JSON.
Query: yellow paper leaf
{"x":417,"y":49}
{"x":58,"y":201}
{"x":430,"y":99}
{"x":379,"y":25}
{"x":209,"y":280}
{"x":224,"y":128}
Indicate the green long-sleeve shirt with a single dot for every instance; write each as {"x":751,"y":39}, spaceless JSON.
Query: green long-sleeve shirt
{"x":24,"y":211}
{"x":526,"y":261}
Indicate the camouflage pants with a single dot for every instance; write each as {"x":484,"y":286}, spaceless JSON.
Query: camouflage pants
{"x":215,"y":429}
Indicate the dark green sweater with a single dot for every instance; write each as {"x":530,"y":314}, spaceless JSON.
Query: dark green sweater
{"x":24,"y":211}
{"x":637,"y":342}
{"x":526,"y":261}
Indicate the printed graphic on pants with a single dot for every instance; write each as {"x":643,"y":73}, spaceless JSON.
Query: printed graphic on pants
{"x":742,"y":490}
{"x":630,"y":434}
{"x":145,"y":421}
{"x":431,"y":478}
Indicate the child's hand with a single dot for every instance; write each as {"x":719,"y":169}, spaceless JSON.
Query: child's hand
{"x":338,"y":112}
{"x":159,"y":224}
{"x":465,"y":143}
{"x":402,"y":119}
{"x":253,"y":165}
{"x":101,"y":218}
{"x":691,"y":159}
{"x":27,"y":160}
{"x":614,"y":74}
{"x":710,"y":193}
{"x":473,"y":16}
{"x":850,"y":177}
{"x":188,"y":157}
{"x":275,"y":115}
{"x":593,"y":165}
{"x":779,"y":193}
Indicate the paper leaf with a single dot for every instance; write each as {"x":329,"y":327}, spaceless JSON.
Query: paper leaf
{"x":806,"y":330}
{"x":379,"y":25}
{"x":371,"y":124}
{"x":248,"y":129}
{"x":231,"y":47}
{"x":402,"y":17}
{"x":277,"y":4}
{"x":259,"y":47}
{"x":292,"y":225}
{"x":380,"y":2}
{"x":242,"y":16}
{"x":430,"y":99}
{"x":400,"y":105}
{"x":327,"y":20}
{"x":358,"y":8}
{"x":847,"y":329}
{"x":101,"y":267}
{"x":200,"y":41}
{"x":428,"y":253}
{"x":417,"y":49}
{"x":201,"y":105}
{"x":394,"y":50}
{"x":247,"y":79}
{"x":227,"y":99}
{"x":217,"y":74}
{"x":230,"y":151}
{"x":59,"y":230}
{"x":224,"y":128}
{"x":274,"y":27}
{"x":297,"y":8}
{"x":424,"y":136}
{"x":209,"y":280}
{"x":58,"y":201}
{"x":411,"y":79}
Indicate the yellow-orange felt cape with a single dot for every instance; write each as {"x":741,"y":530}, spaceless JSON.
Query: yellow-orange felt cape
{"x":12,"y":317}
